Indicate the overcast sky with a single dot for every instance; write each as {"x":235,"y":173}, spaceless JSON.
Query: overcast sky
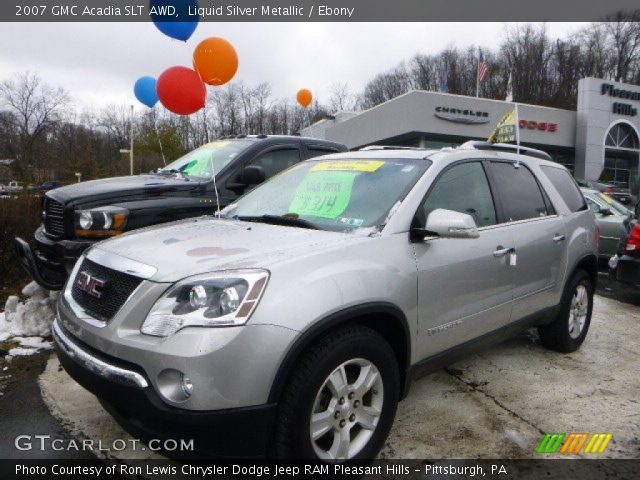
{"x":98,"y":63}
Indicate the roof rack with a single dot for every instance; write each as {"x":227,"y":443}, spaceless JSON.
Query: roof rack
{"x":506,"y":147}
{"x":387,"y":147}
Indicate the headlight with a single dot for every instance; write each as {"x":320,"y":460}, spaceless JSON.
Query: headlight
{"x":101,"y":222}
{"x":219,"y":299}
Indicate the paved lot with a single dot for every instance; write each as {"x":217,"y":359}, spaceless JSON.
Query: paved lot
{"x":497,"y":404}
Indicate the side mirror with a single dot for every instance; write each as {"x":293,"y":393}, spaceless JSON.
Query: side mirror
{"x":250,"y":175}
{"x":605,"y":212}
{"x":448,"y":224}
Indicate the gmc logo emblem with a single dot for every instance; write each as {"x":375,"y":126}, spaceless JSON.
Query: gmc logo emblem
{"x":91,"y":285}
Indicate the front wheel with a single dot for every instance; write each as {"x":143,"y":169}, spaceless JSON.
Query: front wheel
{"x":340,"y":402}
{"x":569,"y":329}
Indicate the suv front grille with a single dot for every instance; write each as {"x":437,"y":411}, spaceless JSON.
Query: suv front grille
{"x":54,"y":218}
{"x":117,"y":288}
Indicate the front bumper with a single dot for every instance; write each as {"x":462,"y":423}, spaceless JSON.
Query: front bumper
{"x":127,"y":394}
{"x":625,"y":269}
{"x":51,"y":261}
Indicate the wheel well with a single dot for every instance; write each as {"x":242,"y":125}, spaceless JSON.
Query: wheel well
{"x":590,"y":265}
{"x":388,"y":321}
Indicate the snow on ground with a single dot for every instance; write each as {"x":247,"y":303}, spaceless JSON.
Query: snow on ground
{"x":28,"y":321}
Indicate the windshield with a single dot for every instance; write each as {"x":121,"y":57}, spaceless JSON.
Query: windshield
{"x":613,"y":204}
{"x":332,"y":194}
{"x":208,"y":160}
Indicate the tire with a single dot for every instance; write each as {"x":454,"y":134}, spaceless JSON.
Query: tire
{"x":569,"y":329}
{"x":317,"y":389}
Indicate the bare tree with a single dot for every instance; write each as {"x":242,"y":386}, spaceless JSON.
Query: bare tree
{"x":35,"y":107}
{"x":341,"y":98}
{"x":623,"y":31}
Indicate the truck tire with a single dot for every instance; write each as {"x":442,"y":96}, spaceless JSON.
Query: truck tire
{"x":569,"y":329}
{"x":340,"y":401}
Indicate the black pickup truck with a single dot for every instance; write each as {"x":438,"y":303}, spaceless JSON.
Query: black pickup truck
{"x":210,"y":177}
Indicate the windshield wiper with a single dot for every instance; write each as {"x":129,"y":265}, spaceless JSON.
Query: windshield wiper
{"x":279,"y":220}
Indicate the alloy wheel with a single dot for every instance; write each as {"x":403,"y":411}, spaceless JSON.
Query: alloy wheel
{"x":346,"y":410}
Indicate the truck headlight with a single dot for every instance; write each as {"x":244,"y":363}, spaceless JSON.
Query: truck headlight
{"x":219,"y":299}
{"x":100,"y":222}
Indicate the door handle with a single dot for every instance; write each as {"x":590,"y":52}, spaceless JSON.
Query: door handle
{"x":559,"y":238}
{"x":501,"y":252}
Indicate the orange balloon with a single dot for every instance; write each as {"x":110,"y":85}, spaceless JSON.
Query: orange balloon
{"x":215,"y":60}
{"x":304,"y":97}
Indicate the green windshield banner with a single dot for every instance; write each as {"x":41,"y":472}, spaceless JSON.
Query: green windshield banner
{"x":324,"y":194}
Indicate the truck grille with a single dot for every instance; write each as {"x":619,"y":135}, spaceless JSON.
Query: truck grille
{"x":116,"y":289}
{"x":54,"y":218}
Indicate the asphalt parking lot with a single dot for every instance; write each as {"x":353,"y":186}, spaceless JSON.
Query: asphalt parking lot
{"x":497,"y":404}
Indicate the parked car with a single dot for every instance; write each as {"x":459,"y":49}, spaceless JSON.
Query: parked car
{"x":14,"y":187}
{"x":621,"y":194}
{"x":612,"y":219}
{"x":200,"y":182}
{"x":295,"y":321}
{"x":624,"y":267}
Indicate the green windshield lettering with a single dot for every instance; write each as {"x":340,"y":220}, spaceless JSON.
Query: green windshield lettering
{"x":323,"y":194}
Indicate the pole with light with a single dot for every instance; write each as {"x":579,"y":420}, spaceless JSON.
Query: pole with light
{"x":130,"y":149}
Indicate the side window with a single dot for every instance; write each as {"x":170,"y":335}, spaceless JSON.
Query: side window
{"x":462,"y":188}
{"x":519,"y":191}
{"x":317,"y":151}
{"x":274,"y":161}
{"x":566,"y":187}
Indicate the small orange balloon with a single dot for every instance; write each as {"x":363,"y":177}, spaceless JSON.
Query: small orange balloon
{"x":304,"y":97}
{"x":216,"y":61}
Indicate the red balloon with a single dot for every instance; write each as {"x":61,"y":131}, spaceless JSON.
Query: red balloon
{"x":181,"y":90}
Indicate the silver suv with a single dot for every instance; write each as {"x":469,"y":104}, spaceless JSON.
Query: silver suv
{"x":291,"y":323}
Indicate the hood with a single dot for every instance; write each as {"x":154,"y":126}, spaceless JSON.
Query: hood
{"x":205,"y":244}
{"x":118,"y":188}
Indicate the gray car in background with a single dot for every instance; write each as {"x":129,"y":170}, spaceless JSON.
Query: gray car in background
{"x":292,"y":323}
{"x":612,"y":219}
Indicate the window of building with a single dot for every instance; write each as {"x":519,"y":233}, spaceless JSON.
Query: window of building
{"x":622,"y":135}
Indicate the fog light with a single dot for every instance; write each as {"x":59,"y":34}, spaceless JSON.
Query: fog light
{"x":187,"y":386}
{"x":174,"y":385}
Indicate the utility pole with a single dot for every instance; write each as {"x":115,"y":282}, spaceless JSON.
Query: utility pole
{"x":131,"y":146}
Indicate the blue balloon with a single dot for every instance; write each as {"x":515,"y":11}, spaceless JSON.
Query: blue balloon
{"x":165,"y":13}
{"x":145,"y":91}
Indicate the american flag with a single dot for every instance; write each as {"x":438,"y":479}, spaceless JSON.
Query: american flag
{"x":483,"y":68}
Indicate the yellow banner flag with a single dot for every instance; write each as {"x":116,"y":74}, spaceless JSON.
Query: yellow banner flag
{"x":507,"y":129}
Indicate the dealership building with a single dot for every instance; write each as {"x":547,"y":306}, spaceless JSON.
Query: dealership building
{"x":598,"y":141}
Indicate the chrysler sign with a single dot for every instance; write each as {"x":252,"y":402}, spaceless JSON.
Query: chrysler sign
{"x":457,"y":115}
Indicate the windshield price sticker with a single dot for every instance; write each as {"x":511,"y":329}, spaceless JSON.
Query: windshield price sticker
{"x":607,"y":199}
{"x":324,"y":194}
{"x":197,"y":166}
{"x":365,"y":166}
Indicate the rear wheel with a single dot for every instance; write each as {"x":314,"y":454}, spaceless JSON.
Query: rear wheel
{"x":569,"y":329}
{"x":340,"y":402}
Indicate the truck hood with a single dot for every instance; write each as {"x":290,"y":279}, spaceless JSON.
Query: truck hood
{"x":190,"y":247}
{"x":118,"y":188}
